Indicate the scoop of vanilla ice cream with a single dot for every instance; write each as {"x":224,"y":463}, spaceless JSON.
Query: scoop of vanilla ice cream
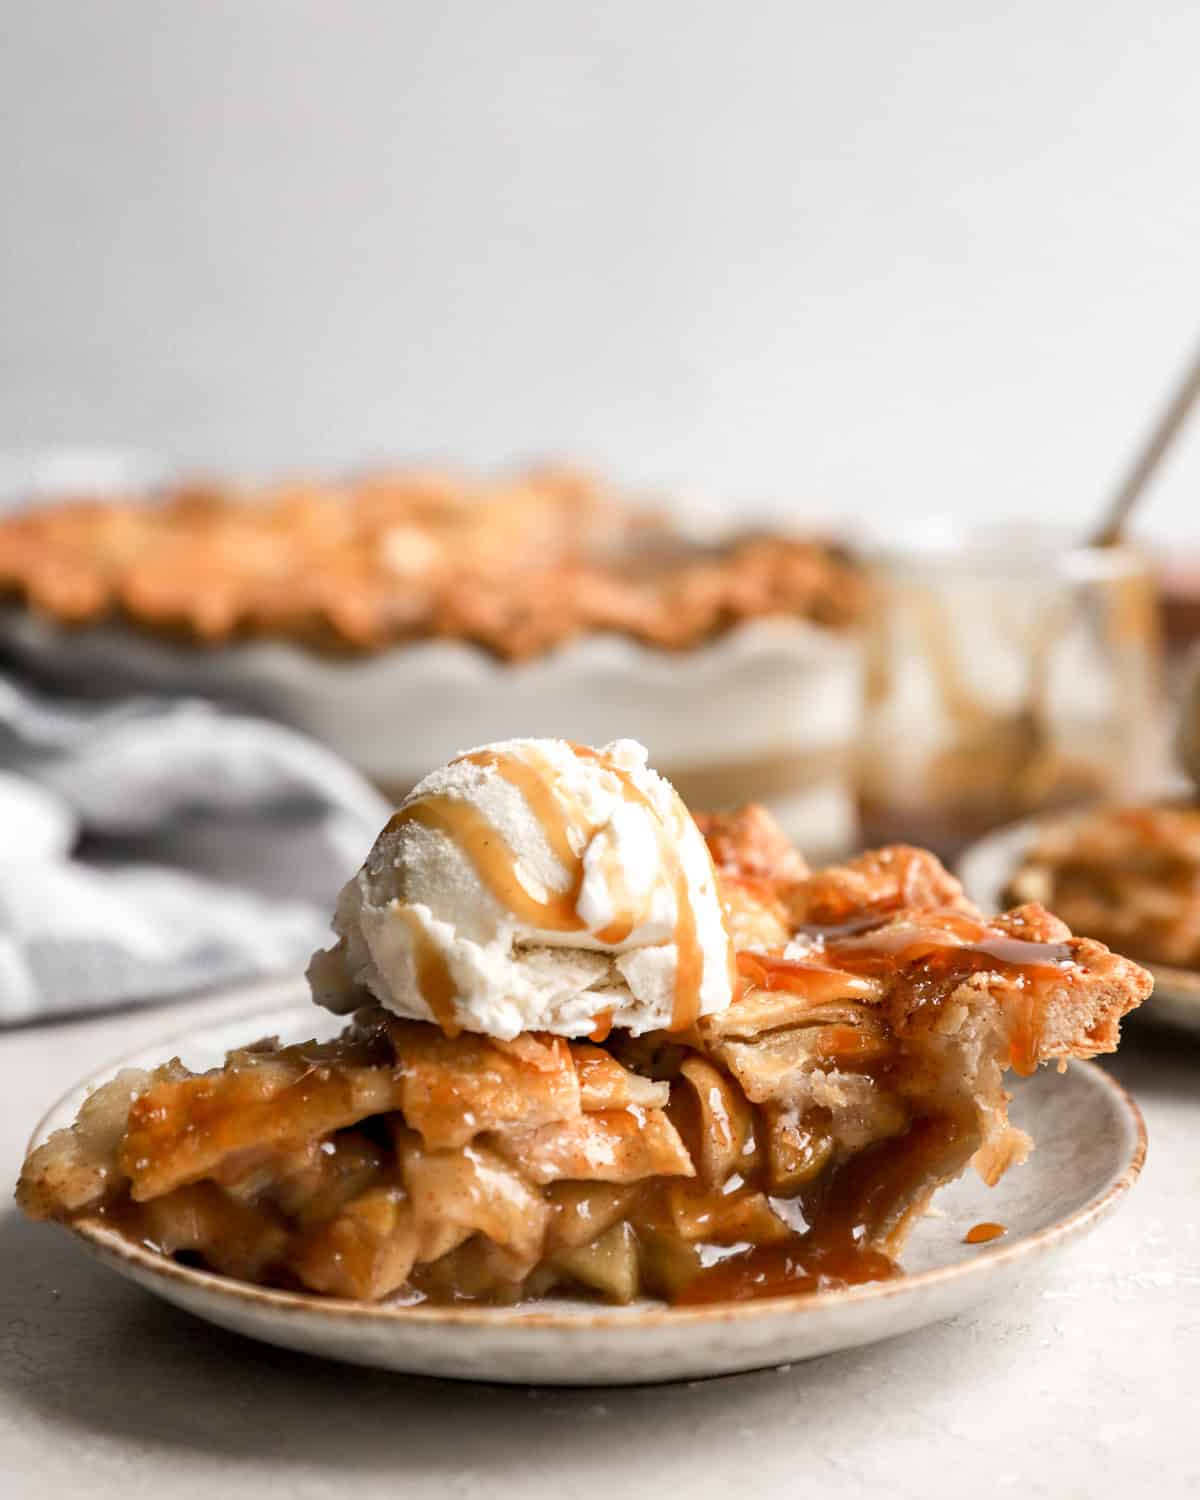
{"x":534,"y":885}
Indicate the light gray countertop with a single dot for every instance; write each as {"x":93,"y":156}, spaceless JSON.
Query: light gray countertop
{"x":1083,"y":1384}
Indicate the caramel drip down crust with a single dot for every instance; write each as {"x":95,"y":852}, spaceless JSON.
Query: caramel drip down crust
{"x":434,"y":980}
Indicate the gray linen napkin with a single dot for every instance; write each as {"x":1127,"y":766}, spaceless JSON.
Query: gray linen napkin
{"x":160,"y":847}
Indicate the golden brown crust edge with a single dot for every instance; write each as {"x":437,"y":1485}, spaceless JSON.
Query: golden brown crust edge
{"x":766,"y":890}
{"x":516,"y":567}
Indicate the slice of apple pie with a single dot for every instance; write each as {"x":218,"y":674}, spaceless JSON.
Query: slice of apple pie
{"x":1127,"y":875}
{"x":781,"y":1143}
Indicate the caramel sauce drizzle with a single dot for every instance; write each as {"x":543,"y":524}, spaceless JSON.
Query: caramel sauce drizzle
{"x":619,"y":929}
{"x":787,"y":1269}
{"x":603,"y":1025}
{"x":1031,"y":967}
{"x":689,"y":969}
{"x":434,"y":980}
{"x":803,"y":976}
{"x":566,"y":831}
{"x":849,"y":960}
{"x":562,"y":825}
{"x":876,"y":950}
{"x":831,"y":931}
{"x":496,"y":864}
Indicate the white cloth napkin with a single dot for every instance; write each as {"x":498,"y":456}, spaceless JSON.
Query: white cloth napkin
{"x":160,"y":847}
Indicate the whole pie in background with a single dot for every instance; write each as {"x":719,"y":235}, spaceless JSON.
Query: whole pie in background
{"x":469,"y":611}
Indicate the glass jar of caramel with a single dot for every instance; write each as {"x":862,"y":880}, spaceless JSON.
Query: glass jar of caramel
{"x":1009,"y":672}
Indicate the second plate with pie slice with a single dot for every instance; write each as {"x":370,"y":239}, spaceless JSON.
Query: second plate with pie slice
{"x":986,"y":869}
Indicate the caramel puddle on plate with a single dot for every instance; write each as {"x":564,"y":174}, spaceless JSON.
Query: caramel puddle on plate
{"x":980,"y":1234}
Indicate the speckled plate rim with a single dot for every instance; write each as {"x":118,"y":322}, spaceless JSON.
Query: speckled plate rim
{"x":984,"y":868}
{"x":110,"y":1246}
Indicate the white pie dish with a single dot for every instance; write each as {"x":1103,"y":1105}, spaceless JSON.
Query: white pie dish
{"x":989,"y":864}
{"x":1090,"y":1146}
{"x":767,"y":712}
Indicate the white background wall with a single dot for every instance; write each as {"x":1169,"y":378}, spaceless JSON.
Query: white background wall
{"x":868,"y":256}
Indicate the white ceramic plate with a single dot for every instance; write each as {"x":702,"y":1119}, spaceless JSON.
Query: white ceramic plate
{"x":986,"y":868}
{"x":1091,"y":1142}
